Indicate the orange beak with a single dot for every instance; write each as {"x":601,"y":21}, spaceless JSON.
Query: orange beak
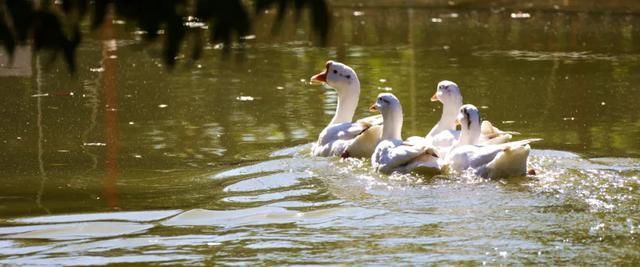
{"x":457,"y":122}
{"x":373,"y":108}
{"x":434,"y":98}
{"x":321,"y":77}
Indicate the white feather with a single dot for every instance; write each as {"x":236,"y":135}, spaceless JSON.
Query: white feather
{"x":342,"y":137}
{"x":394,"y":155}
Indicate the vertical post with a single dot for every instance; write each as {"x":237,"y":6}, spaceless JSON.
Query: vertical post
{"x":112,"y":133}
{"x":412,"y":70}
{"x":43,"y":173}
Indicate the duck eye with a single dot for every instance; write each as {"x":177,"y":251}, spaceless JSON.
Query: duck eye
{"x":335,"y":72}
{"x":348,"y":76}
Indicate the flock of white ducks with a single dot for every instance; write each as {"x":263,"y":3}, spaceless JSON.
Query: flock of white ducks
{"x":478,"y":146}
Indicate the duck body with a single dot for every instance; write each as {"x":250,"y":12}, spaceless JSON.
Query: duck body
{"x":487,"y":160}
{"x":392,"y":154}
{"x":396,"y":156}
{"x":489,"y":135}
{"x":490,"y":161}
{"x":347,"y":139}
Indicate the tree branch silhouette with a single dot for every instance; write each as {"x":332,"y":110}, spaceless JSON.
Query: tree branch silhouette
{"x":55,"y":25}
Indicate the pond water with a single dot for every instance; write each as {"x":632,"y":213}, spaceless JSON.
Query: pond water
{"x":127,"y":162}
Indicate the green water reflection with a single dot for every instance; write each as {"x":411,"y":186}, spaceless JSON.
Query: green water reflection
{"x":124,"y":134}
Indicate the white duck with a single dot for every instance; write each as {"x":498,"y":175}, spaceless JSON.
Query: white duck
{"x":392,"y":154}
{"x":490,"y":160}
{"x":444,"y":133}
{"x":342,"y":137}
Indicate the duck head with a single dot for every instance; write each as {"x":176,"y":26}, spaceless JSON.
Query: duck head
{"x":469,"y":120}
{"x":447,"y":92}
{"x":389,"y":105}
{"x":338,"y":76}
{"x":344,"y":80}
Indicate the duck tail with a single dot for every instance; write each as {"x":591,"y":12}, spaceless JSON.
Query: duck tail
{"x":518,"y":144}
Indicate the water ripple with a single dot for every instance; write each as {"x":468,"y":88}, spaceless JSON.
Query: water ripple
{"x":295,"y":204}
{"x":570,"y":56}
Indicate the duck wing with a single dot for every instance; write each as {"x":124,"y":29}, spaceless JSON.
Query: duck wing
{"x":365,"y":134}
{"x":364,"y":143}
{"x":403,"y":158}
{"x":492,"y":161}
{"x":371,"y":120}
{"x":490,"y":134}
{"x":510,"y":161}
{"x":334,"y":139}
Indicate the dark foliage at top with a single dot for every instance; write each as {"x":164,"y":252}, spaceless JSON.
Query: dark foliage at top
{"x":56,"y":26}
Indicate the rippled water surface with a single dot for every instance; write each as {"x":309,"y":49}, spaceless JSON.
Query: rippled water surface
{"x":126,"y":162}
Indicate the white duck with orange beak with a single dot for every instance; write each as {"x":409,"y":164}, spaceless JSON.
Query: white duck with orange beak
{"x":444,"y":135}
{"x":391,"y":153}
{"x":489,"y":160}
{"x":342,"y":136}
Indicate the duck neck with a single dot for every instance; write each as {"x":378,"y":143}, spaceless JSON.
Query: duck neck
{"x":347,"y":103}
{"x":470,"y":134}
{"x":447,"y":121}
{"x":392,"y":124}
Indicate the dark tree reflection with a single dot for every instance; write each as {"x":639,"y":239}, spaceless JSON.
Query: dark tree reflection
{"x":55,"y":25}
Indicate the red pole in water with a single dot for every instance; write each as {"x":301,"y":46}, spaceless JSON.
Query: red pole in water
{"x":111,"y":114}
